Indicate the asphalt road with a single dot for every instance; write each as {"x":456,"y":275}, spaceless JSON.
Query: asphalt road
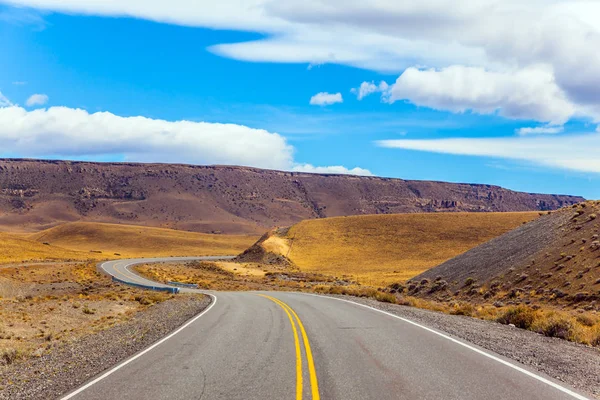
{"x":275,"y":345}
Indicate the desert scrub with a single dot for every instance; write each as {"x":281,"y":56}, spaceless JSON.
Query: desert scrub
{"x":463,"y":309}
{"x":521,"y":317}
{"x":558,"y":326}
{"x":9,"y":356}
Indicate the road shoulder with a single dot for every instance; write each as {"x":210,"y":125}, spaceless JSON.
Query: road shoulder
{"x":71,"y":365}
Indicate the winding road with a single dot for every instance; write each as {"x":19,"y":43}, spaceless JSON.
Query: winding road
{"x":283,"y":345}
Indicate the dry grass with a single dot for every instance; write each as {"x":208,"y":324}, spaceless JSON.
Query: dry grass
{"x":17,"y":248}
{"x":380,"y":249}
{"x":114,"y":240}
{"x":42,"y":307}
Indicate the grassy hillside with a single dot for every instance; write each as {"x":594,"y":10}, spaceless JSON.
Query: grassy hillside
{"x":381,"y":249}
{"x":15,"y":249}
{"x":555,"y":259}
{"x":139,"y":241}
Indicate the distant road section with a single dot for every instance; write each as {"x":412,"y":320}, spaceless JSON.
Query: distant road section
{"x":273,"y":345}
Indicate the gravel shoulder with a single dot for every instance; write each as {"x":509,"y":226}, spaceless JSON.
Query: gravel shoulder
{"x":571,"y":363}
{"x":76,"y":362}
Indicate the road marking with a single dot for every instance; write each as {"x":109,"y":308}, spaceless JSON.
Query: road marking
{"x":314,"y":384}
{"x":124,"y":363}
{"x":299,"y":383}
{"x":481,"y":352}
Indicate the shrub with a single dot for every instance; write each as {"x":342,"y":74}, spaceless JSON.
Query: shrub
{"x":398,"y":287}
{"x":9,"y":356}
{"x":469,"y":281}
{"x":87,"y":310}
{"x":521,"y":317}
{"x":463,"y":309}
{"x":586,"y":320}
{"x":557,"y":326}
{"x":385,"y":297}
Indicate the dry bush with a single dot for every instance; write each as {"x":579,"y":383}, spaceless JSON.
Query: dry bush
{"x":556,"y":325}
{"x":521,"y":317}
{"x":463,"y":309}
{"x":9,"y":356}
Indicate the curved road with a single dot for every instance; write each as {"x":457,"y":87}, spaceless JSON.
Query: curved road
{"x":274,"y":345}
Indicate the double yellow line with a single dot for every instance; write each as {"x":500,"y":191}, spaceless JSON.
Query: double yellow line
{"x":312,"y":373}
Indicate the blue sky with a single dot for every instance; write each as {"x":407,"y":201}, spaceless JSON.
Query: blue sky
{"x":81,"y":61}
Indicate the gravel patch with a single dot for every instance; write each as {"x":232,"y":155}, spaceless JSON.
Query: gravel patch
{"x":71,"y":365}
{"x":574,"y":364}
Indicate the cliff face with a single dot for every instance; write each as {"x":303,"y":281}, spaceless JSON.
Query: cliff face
{"x":38,"y":194}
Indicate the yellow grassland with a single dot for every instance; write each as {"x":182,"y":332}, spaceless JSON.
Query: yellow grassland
{"x":381,"y":249}
{"x":115,"y":240}
{"x":17,"y":249}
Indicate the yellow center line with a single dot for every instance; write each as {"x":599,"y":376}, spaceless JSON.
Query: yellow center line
{"x":128,"y":274}
{"x":298,"y":352}
{"x":309,"y":356}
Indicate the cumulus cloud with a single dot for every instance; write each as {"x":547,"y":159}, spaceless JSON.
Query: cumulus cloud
{"x":576,"y":153}
{"x":530,"y":93}
{"x":367,"y":88}
{"x":67,"y":132}
{"x":540,"y":130}
{"x":37,"y":100}
{"x":337,"y":169}
{"x":492,"y":40}
{"x":326,"y":99}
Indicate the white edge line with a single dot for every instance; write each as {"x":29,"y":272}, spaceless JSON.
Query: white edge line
{"x":124,"y":363}
{"x":501,"y":361}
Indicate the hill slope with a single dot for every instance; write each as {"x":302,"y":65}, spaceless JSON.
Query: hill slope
{"x":382,"y":249}
{"x":36,"y":195}
{"x":140,"y":241}
{"x":17,"y":248}
{"x":555,"y":258}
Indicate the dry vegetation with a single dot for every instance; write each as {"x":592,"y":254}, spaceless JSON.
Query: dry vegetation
{"x":43,"y":307}
{"x":235,"y":276}
{"x":17,"y":248}
{"x":573,"y":325}
{"x":114,"y":240}
{"x":382,"y":249}
{"x":563,"y":272}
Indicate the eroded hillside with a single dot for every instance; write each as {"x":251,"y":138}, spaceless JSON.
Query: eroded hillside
{"x":554,"y":259}
{"x":35,"y":195}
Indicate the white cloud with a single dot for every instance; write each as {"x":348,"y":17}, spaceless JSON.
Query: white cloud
{"x":37,"y":100}
{"x":325,"y":99}
{"x":503,"y":40}
{"x":4,"y":102}
{"x":367,"y":88}
{"x":337,"y":169}
{"x":19,"y":83}
{"x":540,"y":130}
{"x":66,"y":132}
{"x":529,"y":93}
{"x":577,"y":153}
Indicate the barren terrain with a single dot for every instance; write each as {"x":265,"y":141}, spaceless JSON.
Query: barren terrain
{"x":36,"y":195}
{"x":129,"y":241}
{"x":381,"y":249}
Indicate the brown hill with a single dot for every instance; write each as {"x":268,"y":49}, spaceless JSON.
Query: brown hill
{"x":138,"y":241}
{"x":36,"y":195}
{"x":380,"y":249}
{"x":554,"y":259}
